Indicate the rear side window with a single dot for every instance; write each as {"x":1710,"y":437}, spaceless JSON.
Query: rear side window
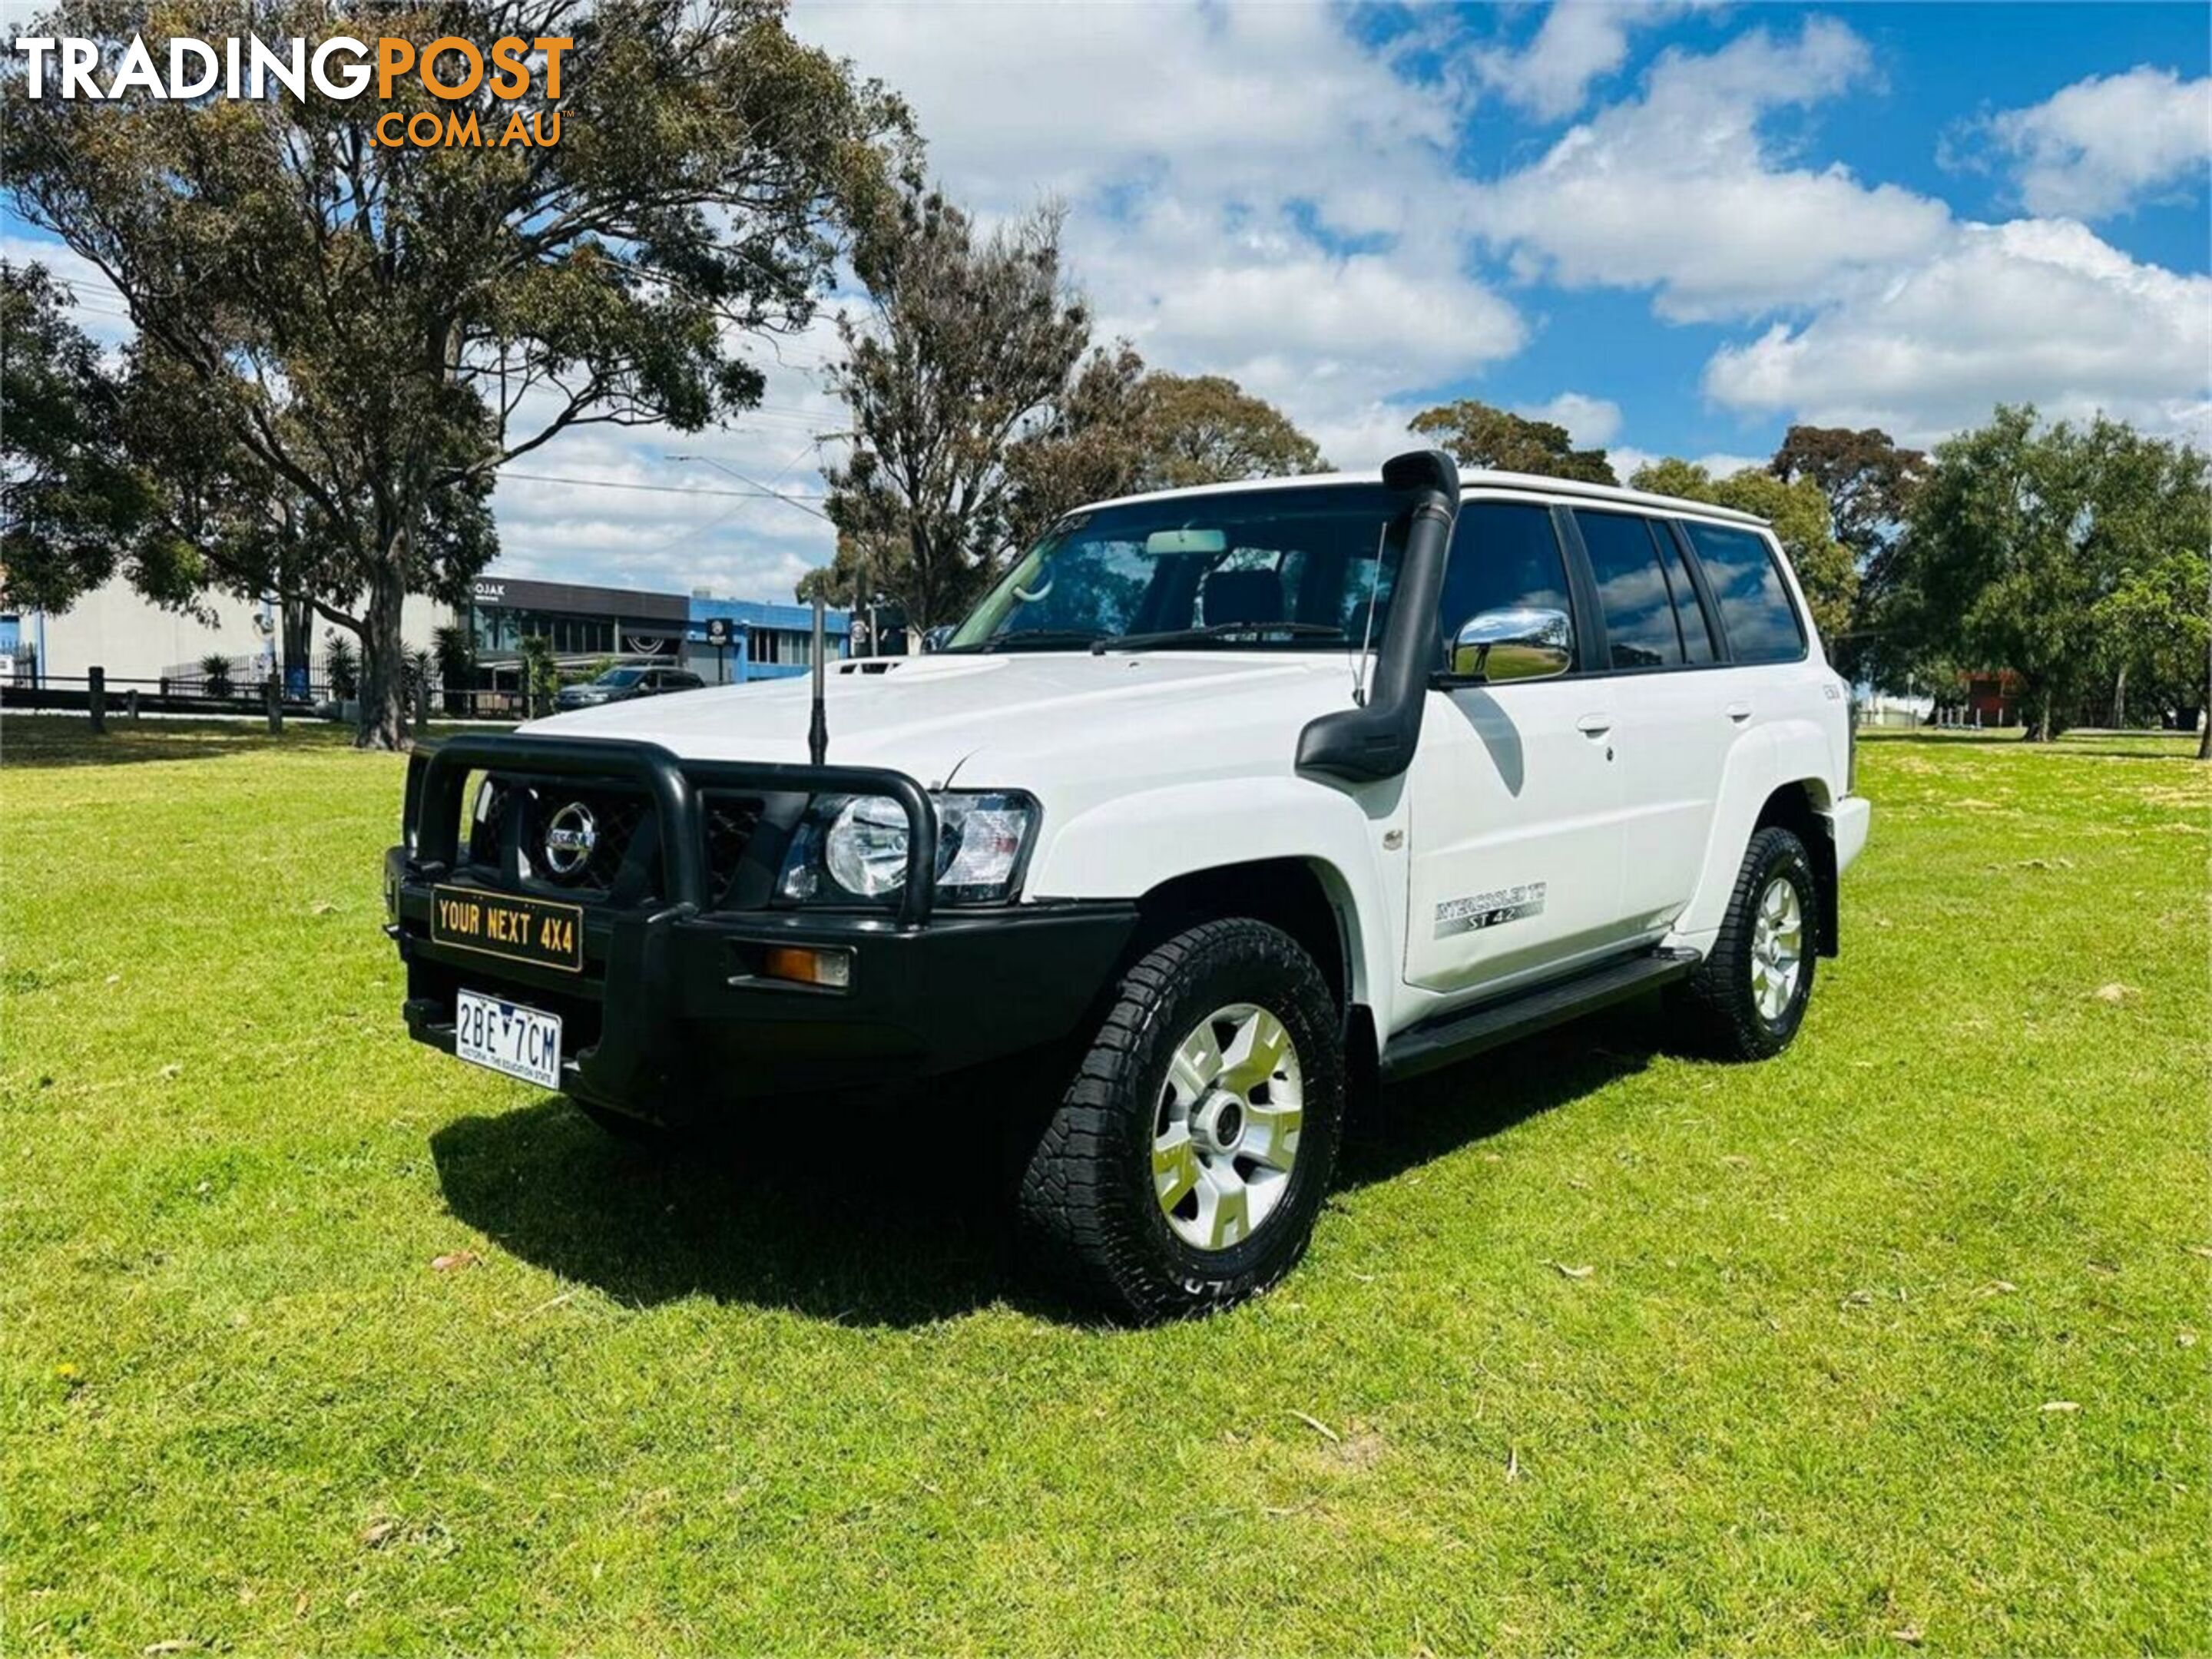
{"x":1755,"y":609}
{"x":1503,"y":554}
{"x":1689,"y":615}
{"x":1632,"y":589}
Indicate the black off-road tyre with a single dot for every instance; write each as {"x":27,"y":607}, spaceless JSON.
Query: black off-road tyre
{"x":1717,"y":1005}
{"x":1087,"y":1191}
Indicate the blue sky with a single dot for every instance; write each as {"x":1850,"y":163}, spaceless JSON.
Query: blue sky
{"x":1675,"y":226}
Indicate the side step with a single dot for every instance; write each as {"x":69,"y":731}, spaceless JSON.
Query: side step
{"x":1455,"y":1036}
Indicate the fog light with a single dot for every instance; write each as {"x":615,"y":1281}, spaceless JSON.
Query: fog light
{"x":831,"y":968}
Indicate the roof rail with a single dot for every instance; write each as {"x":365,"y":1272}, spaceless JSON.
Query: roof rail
{"x":1534,"y":483}
{"x":1537,"y":483}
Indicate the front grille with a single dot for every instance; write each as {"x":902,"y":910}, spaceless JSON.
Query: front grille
{"x":516,"y":825}
{"x":731,"y":821}
{"x":485,"y":809}
{"x":510,"y":819}
{"x":625,"y":845}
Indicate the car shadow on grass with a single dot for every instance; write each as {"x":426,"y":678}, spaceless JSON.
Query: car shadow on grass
{"x":1425,"y":1118}
{"x":898,"y":1213}
{"x":827,"y":1209}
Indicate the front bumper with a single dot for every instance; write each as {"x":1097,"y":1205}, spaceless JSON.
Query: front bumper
{"x":670,"y":1019}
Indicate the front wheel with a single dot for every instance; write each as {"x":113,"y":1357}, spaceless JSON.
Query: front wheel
{"x":1747,"y":998}
{"x":1184,"y":1169}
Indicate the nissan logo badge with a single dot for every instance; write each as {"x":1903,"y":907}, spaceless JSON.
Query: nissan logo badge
{"x":570,"y":838}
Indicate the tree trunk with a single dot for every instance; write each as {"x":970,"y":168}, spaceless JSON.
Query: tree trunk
{"x":2119,"y":719}
{"x":299,"y":641}
{"x":383,"y":664}
{"x":922,"y":613}
{"x":2044,"y":728}
{"x":2204,"y":740}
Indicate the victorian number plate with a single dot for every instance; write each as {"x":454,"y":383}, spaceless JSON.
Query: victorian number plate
{"x":505,"y":1037}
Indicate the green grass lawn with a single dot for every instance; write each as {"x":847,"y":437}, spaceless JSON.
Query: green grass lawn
{"x":1901,"y":1339}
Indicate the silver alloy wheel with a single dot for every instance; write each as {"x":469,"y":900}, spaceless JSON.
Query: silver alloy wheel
{"x":1226,"y":1132}
{"x":1778,"y":948}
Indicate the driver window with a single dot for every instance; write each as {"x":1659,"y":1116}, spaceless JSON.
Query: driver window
{"x":1503,"y":554}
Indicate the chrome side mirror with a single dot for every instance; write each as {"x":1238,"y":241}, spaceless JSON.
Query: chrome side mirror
{"x":1524,"y":642}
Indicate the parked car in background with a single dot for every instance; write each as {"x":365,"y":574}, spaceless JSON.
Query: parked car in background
{"x":621,"y":684}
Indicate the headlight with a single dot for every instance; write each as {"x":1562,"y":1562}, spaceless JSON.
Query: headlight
{"x":866,"y":847}
{"x":854,"y":847}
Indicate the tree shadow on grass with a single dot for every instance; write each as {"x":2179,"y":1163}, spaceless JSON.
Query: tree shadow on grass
{"x":2108,"y":745}
{"x":30,"y":743}
{"x":896,"y":1215}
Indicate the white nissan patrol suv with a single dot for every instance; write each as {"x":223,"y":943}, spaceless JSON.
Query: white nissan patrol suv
{"x":1223,"y":801}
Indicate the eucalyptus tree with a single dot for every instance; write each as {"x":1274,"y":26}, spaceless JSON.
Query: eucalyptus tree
{"x":1868,"y":478}
{"x":378,"y":328}
{"x":968,"y":340}
{"x":2059,"y":552}
{"x":1478,"y":435}
{"x":73,"y":508}
{"x":1121,"y":429}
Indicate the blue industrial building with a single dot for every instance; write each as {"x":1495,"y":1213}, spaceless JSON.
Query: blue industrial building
{"x":768,"y":641}
{"x":757,"y":640}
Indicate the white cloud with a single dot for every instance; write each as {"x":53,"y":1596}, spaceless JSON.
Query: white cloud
{"x":1359,"y":438}
{"x":1681,"y":190}
{"x":2103,"y":144}
{"x":1590,"y":422}
{"x":1580,"y":42}
{"x":602,"y":528}
{"x":1722,"y":465}
{"x":1016,"y":101}
{"x":1256,"y":193}
{"x":1896,"y":313}
{"x":2036,"y":310}
{"x":1306,"y":329}
{"x":596,"y":524}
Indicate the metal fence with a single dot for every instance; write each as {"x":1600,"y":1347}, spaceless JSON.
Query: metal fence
{"x":188,"y":694}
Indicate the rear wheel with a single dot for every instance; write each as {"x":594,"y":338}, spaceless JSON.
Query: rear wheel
{"x":1185,"y":1167}
{"x":1747,"y":998}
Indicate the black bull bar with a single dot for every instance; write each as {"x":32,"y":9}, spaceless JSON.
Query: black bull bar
{"x":436,"y":776}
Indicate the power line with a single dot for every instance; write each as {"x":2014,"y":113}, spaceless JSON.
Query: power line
{"x":788,"y":500}
{"x":658,"y":489}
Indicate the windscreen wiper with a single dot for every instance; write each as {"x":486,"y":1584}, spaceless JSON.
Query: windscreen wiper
{"x":1213,"y":631}
{"x":1035,"y":638}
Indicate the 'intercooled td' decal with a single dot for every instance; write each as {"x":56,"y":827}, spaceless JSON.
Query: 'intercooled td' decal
{"x":1464,"y":915}
{"x":520,"y":929}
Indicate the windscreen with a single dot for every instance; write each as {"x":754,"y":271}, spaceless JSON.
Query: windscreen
{"x":1291,"y":568}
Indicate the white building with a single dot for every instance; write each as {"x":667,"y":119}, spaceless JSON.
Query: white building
{"x":115,"y":629}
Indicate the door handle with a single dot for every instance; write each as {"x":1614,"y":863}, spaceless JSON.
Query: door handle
{"x":1738,"y":712}
{"x":1594,"y":725}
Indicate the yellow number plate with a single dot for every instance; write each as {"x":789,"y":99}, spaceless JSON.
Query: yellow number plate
{"x":515,"y":929}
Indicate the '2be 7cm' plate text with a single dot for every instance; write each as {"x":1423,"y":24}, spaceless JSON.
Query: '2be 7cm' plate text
{"x":507,"y":1037}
